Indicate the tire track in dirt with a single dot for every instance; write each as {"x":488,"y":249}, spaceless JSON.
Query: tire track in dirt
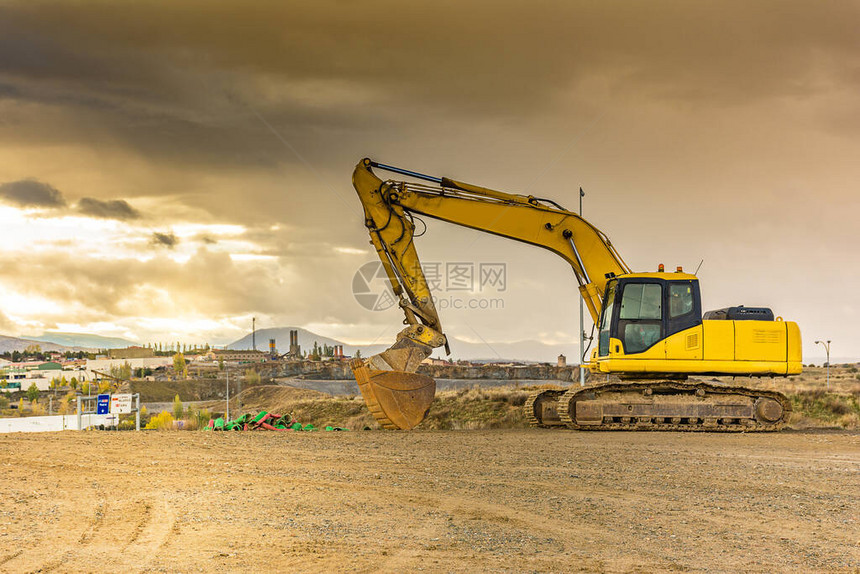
{"x":152,"y":533}
{"x":9,"y":557}
{"x":96,"y":523}
{"x":110,"y":538}
{"x":33,"y":559}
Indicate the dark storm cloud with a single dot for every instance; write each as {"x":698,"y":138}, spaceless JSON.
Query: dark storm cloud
{"x":31,"y":193}
{"x":111,"y":209}
{"x":164,"y":240}
{"x":209,"y":283}
{"x":185,"y":82}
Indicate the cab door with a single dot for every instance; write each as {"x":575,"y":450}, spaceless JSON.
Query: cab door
{"x":640,"y":316}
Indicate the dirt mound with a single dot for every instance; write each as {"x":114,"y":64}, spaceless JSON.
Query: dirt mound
{"x":275,"y":397}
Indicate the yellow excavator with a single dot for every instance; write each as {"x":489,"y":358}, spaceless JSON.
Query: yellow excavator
{"x":652,"y":334}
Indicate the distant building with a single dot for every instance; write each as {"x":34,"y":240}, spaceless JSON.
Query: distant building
{"x":562,"y":361}
{"x":131,"y":353}
{"x":243,"y":356}
{"x":34,"y":366}
{"x":105,"y":365}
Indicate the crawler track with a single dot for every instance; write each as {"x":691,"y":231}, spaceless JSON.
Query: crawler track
{"x":661,"y":406}
{"x":541,"y":409}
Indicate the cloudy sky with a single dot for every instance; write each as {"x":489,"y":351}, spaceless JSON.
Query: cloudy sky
{"x":169,"y":170}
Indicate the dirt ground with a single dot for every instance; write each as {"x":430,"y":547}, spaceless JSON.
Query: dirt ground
{"x":457,"y":501}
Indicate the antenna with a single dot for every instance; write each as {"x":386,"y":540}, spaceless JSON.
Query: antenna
{"x":699,"y":267}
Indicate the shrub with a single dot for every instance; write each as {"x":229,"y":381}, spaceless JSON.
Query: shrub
{"x":126,"y":425}
{"x":203,"y":417}
{"x":252,"y":377}
{"x":161,"y":421}
{"x":178,"y":409}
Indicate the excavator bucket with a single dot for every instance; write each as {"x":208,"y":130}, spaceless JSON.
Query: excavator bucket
{"x":397,"y":397}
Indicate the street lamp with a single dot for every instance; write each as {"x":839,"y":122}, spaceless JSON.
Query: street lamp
{"x":582,"y":336}
{"x":826,"y":346}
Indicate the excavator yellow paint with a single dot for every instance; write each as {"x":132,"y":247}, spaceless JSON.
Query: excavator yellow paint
{"x":720,"y":347}
{"x":399,"y":398}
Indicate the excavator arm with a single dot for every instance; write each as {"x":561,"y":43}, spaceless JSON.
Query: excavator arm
{"x":397,"y":396}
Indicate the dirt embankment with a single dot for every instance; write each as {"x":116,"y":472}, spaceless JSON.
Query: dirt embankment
{"x":340,"y":371}
{"x":815,"y":403}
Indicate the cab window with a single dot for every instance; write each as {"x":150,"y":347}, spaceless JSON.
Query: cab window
{"x":680,"y":299}
{"x":642,"y":301}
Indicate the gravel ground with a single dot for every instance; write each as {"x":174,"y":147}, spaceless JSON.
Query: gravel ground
{"x":460,"y":501}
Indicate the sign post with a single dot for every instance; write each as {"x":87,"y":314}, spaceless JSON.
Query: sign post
{"x":110,"y":405}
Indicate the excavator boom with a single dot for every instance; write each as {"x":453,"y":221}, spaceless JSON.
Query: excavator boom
{"x":396,"y":395}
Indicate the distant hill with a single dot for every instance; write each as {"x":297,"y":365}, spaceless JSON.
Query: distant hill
{"x":84,"y":340}
{"x":10,"y":344}
{"x":526,"y":351}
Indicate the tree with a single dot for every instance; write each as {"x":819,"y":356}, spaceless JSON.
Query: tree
{"x":315,"y":353}
{"x":33,"y":392}
{"x":66,"y":403}
{"x":178,"y":409}
{"x":357,"y":354}
{"x":121,"y":371}
{"x":73,"y":383}
{"x":180,"y":367}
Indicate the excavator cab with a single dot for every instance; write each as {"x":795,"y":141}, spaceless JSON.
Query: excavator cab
{"x":642,"y":309}
{"x":652,"y":324}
